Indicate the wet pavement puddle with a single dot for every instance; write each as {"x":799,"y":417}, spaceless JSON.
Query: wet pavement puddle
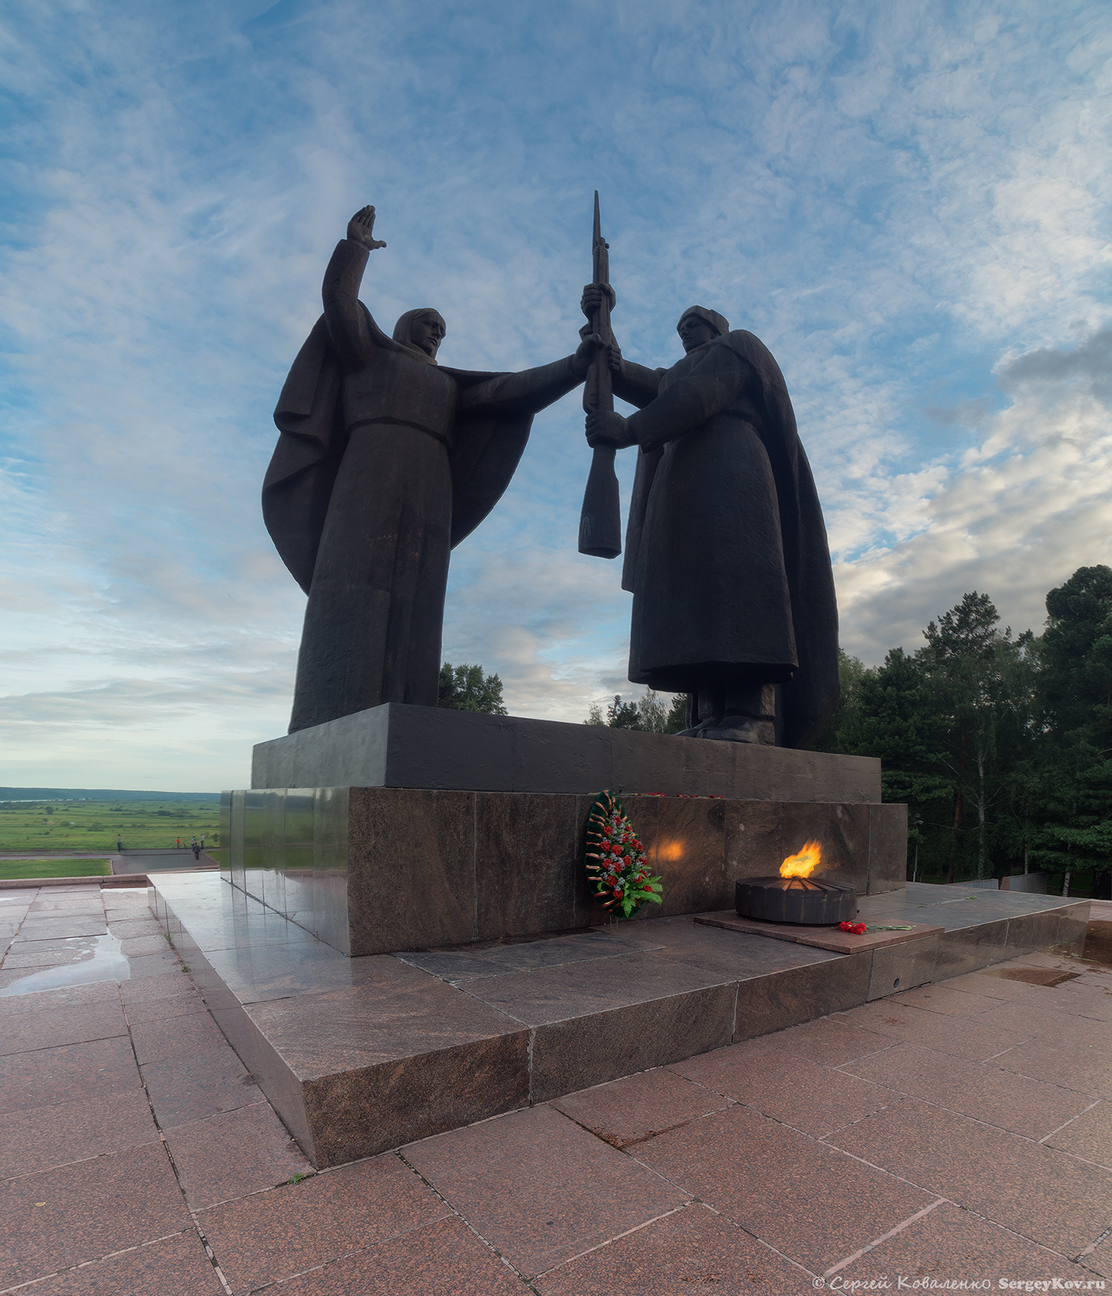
{"x":105,"y":961}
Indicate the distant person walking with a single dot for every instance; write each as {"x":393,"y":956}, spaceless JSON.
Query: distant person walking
{"x":177,"y":840}
{"x":119,"y":842}
{"x":196,"y":850}
{"x":202,"y":841}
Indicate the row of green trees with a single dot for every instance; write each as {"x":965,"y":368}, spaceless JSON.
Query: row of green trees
{"x":468,"y":688}
{"x":1001,"y":746}
{"x":650,"y":713}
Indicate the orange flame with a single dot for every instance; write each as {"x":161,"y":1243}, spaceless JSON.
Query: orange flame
{"x":803,"y":864}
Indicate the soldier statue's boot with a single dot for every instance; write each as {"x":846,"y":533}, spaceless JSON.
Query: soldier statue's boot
{"x":705,"y":708}
{"x":747,"y":715}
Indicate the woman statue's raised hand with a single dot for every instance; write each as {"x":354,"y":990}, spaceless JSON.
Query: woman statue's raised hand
{"x":361,"y":229}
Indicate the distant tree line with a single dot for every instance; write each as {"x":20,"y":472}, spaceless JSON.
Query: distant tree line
{"x":650,"y":713}
{"x":1001,"y":746}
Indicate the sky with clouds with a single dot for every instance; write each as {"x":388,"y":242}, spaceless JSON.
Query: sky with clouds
{"x":910,"y":204}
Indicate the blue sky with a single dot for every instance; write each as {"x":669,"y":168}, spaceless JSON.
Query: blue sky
{"x":910,"y":204}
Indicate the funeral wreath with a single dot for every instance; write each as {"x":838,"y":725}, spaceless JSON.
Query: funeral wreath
{"x":615,"y":860}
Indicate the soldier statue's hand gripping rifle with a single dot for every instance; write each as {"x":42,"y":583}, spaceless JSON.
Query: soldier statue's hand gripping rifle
{"x":600,"y":523}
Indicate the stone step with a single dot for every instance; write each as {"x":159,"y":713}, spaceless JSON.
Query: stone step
{"x":360,"y":1055}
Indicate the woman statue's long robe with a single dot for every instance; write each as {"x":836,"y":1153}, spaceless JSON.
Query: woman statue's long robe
{"x":384,"y":463}
{"x":726,"y":550}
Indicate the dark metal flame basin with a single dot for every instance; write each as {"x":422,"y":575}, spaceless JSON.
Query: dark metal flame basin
{"x":796,"y":900}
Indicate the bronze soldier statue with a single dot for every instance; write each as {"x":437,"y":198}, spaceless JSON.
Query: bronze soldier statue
{"x":726,"y":551}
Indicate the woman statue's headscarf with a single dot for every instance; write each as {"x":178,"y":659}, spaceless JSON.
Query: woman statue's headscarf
{"x":401,"y":330}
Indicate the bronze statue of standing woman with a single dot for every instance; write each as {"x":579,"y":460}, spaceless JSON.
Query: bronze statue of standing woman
{"x":385,"y":462}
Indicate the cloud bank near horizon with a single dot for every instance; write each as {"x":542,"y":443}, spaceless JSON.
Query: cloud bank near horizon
{"x":911,"y":209}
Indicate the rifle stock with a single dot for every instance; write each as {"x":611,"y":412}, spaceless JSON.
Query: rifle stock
{"x":600,"y":522}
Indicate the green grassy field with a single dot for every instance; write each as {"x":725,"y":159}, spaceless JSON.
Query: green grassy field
{"x":58,"y":827}
{"x":51,"y":868}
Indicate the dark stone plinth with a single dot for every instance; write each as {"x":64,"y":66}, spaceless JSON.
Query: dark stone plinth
{"x":371,"y":870}
{"x":429,"y":747}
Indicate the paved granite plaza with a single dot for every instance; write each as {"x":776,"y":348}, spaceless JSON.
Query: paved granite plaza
{"x":958,"y":1131}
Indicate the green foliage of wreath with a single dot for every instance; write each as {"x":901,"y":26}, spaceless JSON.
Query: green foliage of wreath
{"x":615,"y":860}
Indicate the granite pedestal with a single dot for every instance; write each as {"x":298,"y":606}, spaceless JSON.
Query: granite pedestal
{"x":407,"y":943}
{"x":412,"y":828}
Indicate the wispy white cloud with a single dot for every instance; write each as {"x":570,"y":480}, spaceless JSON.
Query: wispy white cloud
{"x":1024,"y":506}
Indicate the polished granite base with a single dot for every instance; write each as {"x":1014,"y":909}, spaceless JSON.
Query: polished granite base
{"x":359,"y":1055}
{"x":374,"y":870}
